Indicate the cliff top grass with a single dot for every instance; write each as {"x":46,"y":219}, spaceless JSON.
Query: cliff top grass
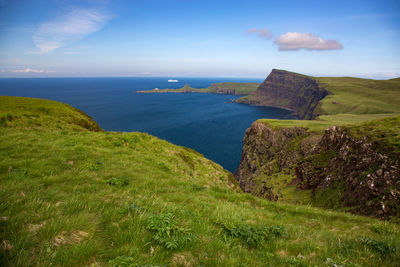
{"x":360,"y":96}
{"x":325,"y":121}
{"x":72,"y":195}
{"x":385,"y":132}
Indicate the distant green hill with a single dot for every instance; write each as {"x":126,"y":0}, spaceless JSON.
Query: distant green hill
{"x":72,"y":194}
{"x":348,"y":100}
{"x":355,"y":96}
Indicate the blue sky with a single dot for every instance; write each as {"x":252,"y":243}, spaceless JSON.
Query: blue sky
{"x":44,"y":38}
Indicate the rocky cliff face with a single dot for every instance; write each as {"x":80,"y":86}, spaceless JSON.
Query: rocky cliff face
{"x":220,"y":90}
{"x":338,"y":169}
{"x":289,"y":90}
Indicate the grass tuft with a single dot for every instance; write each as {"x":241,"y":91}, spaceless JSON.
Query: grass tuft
{"x":118,"y":182}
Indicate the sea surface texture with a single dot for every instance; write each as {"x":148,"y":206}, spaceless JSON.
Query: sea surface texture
{"x":207,"y":123}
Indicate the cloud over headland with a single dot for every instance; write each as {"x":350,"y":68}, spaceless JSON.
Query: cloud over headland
{"x":292,"y":41}
{"x":295,"y":40}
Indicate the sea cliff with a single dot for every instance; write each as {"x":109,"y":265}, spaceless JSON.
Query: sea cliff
{"x":343,"y":167}
{"x":299,"y":93}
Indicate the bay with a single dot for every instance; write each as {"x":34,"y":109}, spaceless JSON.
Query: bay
{"x":207,"y":123}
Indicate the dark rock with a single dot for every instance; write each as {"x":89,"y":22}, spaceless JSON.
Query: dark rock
{"x":289,"y":90}
{"x":345,"y":169}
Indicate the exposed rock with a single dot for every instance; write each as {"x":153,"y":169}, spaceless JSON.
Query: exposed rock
{"x":342,"y":171}
{"x":220,"y":90}
{"x":289,"y":90}
{"x":6,"y":245}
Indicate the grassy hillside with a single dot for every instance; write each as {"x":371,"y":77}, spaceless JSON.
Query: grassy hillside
{"x":351,"y":100}
{"x":227,"y":87}
{"x":74,"y":195}
{"x":360,"y":96}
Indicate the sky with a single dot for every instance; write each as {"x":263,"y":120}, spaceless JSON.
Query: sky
{"x":207,"y":38}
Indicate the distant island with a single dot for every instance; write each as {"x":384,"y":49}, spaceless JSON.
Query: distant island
{"x":231,"y":88}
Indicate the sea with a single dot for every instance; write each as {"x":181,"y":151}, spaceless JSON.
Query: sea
{"x":208,"y":123}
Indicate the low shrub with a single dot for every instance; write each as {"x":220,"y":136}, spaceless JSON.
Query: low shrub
{"x":123,"y":261}
{"x":117,"y":181}
{"x":381,"y":247}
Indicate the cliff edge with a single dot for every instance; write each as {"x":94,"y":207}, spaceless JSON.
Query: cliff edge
{"x":352,"y":168}
{"x":299,"y":93}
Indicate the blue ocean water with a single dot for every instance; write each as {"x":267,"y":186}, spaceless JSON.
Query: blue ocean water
{"x":208,"y":123}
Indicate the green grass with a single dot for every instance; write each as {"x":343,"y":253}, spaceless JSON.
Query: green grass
{"x":325,"y":121}
{"x":385,"y":132}
{"x":360,"y":96}
{"x":240,"y":88}
{"x":72,"y":195}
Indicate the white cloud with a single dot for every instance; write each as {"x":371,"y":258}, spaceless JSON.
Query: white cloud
{"x":296,"y":40}
{"x":262,"y":33}
{"x":146,"y":73}
{"x":28,"y":70}
{"x":73,"y":26}
{"x":391,"y":75}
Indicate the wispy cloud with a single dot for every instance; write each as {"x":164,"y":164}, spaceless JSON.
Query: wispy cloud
{"x":262,"y":33}
{"x":28,"y":70}
{"x":295,"y":40}
{"x":391,"y":75}
{"x":72,"y":26}
{"x":146,"y":73}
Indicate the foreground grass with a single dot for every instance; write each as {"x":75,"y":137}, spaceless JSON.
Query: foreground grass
{"x":71,"y":194}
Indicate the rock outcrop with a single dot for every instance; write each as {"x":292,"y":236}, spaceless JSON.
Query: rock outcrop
{"x":289,"y":90}
{"x":340,"y":170}
{"x":220,"y":90}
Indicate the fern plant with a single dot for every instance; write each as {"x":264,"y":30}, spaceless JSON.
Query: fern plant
{"x":252,"y":235}
{"x":167,"y":232}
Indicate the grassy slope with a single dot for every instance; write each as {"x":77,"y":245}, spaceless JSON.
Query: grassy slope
{"x":352,"y":100}
{"x":240,"y":88}
{"x":360,"y":96}
{"x":73,"y":196}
